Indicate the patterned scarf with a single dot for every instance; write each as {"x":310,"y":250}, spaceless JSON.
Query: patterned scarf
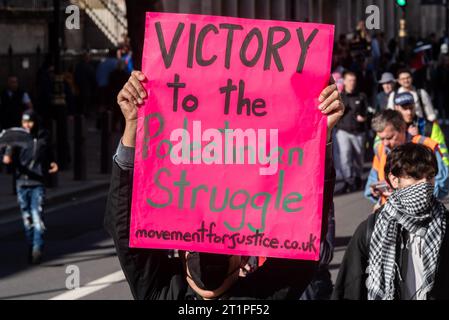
{"x":417,"y":211}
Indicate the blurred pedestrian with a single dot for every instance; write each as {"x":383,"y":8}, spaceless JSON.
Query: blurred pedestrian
{"x":377,"y":50}
{"x":350,"y":135}
{"x":405,"y":104}
{"x":44,"y":87}
{"x":366,"y":78}
{"x":13,"y":102}
{"x":360,"y":40}
{"x":126,"y":55}
{"x":441,"y":85}
{"x":419,"y":63}
{"x":402,"y":251}
{"x":71,"y":91}
{"x":424,"y":106}
{"x":85,"y":81}
{"x":387,"y":82}
{"x":104,"y":70}
{"x":32,"y":164}
{"x":392,"y":131}
{"x":117,"y":80}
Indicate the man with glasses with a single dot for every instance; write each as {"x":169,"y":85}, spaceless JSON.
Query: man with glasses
{"x":423,"y":103}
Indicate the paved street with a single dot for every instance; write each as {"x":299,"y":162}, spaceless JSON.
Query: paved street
{"x":76,"y":237}
{"x":350,"y":210}
{"x":74,"y":73}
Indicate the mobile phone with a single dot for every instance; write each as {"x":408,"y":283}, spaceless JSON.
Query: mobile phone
{"x":380,"y":186}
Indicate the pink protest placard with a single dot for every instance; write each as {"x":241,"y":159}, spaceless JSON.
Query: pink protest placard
{"x":230,"y":144}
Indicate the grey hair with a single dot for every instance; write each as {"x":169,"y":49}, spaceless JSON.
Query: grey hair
{"x":388,"y":117}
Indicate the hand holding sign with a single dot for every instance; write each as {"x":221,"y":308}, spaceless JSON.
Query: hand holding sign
{"x":330,"y":103}
{"x":132,"y":94}
{"x":200,"y":177}
{"x":130,"y":98}
{"x":332,"y":106}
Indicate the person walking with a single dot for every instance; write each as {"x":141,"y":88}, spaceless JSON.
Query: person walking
{"x":32,"y":164}
{"x":424,"y":106}
{"x":350,"y":135}
{"x":405,"y":104}
{"x":387,"y":82}
{"x":401,"y":252}
{"x":392,"y":131}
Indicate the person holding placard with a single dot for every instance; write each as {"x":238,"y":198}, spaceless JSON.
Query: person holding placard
{"x":151,"y":274}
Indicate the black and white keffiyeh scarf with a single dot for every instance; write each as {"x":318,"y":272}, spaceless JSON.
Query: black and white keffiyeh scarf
{"x":416,"y":210}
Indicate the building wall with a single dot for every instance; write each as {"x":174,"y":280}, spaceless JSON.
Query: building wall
{"x":421,"y":20}
{"x":23,"y":38}
{"x":87,"y":37}
{"x":24,"y":25}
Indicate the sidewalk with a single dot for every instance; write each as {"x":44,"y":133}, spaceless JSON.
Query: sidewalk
{"x":67,"y":188}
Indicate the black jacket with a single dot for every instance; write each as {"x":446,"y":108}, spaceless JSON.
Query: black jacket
{"x":355,"y":104}
{"x":350,"y":284}
{"x":152,"y":275}
{"x":33,"y":162}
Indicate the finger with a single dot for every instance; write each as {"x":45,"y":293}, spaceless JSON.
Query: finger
{"x":122,"y":96}
{"x":327,"y":92}
{"x":334,"y":96}
{"x":126,"y":96}
{"x":333,"y":107}
{"x":126,"y":102}
{"x":128,"y":106}
{"x":134,"y":92}
{"x":138,"y":86}
{"x":139,"y":75}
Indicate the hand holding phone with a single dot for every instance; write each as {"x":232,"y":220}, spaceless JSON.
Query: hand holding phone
{"x":380,"y":188}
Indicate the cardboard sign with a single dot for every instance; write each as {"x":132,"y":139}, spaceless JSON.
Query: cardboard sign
{"x":230,"y":144}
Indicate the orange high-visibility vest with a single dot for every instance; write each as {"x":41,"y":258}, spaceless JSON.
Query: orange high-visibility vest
{"x":380,"y":158}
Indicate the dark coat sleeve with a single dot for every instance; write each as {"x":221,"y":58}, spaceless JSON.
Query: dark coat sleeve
{"x":151,"y":275}
{"x":363,"y":107}
{"x":149,"y":272}
{"x":350,"y":284}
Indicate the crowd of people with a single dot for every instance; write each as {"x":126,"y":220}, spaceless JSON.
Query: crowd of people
{"x":387,"y":98}
{"x":90,"y":86}
{"x":397,"y":104}
{"x":372,"y":75}
{"x":392,"y":109}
